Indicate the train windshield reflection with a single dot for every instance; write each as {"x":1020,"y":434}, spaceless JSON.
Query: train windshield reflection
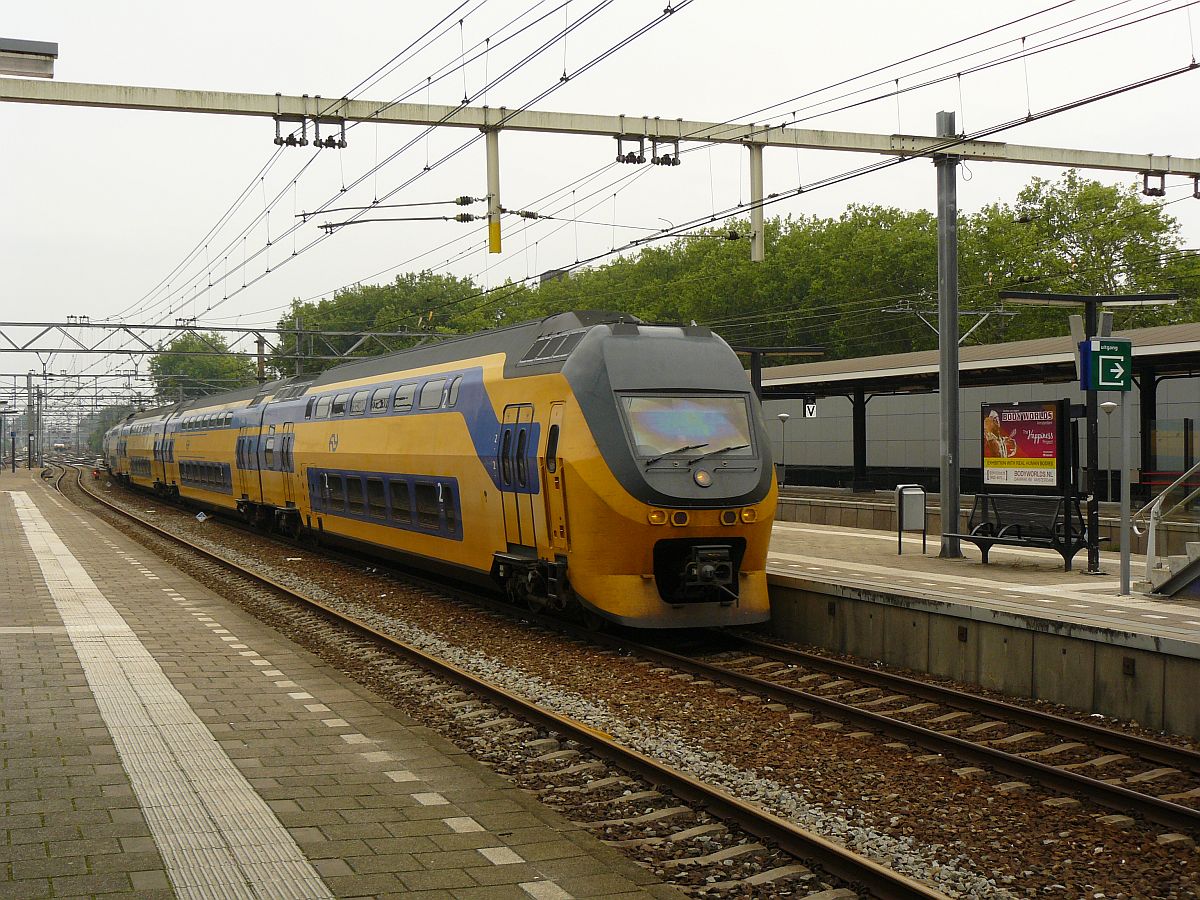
{"x":662,"y":425}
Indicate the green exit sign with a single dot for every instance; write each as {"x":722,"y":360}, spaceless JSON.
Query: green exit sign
{"x":1107,"y":364}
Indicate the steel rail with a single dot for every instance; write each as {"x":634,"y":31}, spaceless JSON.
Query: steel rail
{"x":1163,"y":812}
{"x":1119,"y":742}
{"x":881,"y":882}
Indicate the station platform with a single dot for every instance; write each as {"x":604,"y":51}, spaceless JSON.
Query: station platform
{"x":157,"y":741}
{"x":1019,"y":625}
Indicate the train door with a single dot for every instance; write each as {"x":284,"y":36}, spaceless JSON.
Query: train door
{"x":246,"y":482}
{"x":287,"y":463}
{"x":160,"y":455}
{"x":518,"y":478}
{"x":553,"y":479}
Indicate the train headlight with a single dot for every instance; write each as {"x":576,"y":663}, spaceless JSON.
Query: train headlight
{"x":702,"y":477}
{"x":749,"y":514}
{"x":657,"y":517}
{"x":680,"y":518}
{"x":729,"y":517}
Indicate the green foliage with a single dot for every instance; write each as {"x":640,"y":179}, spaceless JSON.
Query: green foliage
{"x":422,"y":304}
{"x":1074,"y":236}
{"x":855,"y":285}
{"x":99,"y":422}
{"x":178,"y":375}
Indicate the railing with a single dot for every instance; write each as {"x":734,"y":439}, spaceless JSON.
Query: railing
{"x":1153,"y":514}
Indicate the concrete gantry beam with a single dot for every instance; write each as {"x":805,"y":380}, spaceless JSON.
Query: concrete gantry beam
{"x":489,"y":118}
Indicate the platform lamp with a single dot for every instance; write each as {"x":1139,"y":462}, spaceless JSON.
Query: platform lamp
{"x":1108,"y":406}
{"x":783,"y":419}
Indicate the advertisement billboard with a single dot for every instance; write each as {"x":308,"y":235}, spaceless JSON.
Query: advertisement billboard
{"x":1021,"y":443}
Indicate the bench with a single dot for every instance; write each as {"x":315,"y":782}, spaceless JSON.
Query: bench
{"x":1027,"y":520}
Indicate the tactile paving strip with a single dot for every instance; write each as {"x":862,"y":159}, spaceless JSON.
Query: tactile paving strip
{"x":217,"y":836}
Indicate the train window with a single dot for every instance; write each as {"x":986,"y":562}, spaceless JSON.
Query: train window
{"x":449,"y":507}
{"x":376,"y":500}
{"x":552,"y":449}
{"x":428,"y":509}
{"x":354,"y":493}
{"x":532,"y":352}
{"x":551,"y":348}
{"x":401,"y":504}
{"x":308,"y":409}
{"x":337,"y":492}
{"x":570,"y":343}
{"x":506,"y":467}
{"x":358,"y":403}
{"x":379,"y":400}
{"x":522,"y":459}
{"x":228,"y":419}
{"x":452,"y":397}
{"x":269,"y":452}
{"x":404,"y":397}
{"x":339,"y":405}
{"x":431,"y":393}
{"x":323,"y":407}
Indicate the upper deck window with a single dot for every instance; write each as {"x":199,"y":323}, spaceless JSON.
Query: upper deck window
{"x":558,"y":346}
{"x":431,"y":393}
{"x":404,"y":397}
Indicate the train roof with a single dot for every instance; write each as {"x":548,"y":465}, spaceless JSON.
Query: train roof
{"x":510,"y":339}
{"x":514,"y":340}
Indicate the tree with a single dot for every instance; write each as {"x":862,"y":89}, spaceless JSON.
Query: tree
{"x":853,"y":284}
{"x":423,"y":303}
{"x":99,"y":422}
{"x":180,"y":375}
{"x":1074,"y":235}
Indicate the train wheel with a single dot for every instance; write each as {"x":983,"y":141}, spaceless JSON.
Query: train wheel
{"x":592,"y":621}
{"x":522,"y":590}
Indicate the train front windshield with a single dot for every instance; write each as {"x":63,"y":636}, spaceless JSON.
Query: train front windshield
{"x":663,"y":425}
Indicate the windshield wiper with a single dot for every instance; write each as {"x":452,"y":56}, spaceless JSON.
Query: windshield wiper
{"x":682,"y":449}
{"x":718,"y":450}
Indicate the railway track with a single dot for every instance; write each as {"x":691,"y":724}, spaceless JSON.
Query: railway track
{"x":785,"y":676}
{"x":656,"y":830}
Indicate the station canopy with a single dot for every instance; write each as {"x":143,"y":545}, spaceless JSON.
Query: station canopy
{"x":1165,"y":351}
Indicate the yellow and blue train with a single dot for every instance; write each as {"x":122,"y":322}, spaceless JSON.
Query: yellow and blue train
{"x":588,"y":462}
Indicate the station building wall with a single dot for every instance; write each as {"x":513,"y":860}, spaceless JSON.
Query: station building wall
{"x":902,"y":430}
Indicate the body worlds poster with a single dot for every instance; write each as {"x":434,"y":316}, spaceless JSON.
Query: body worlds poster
{"x":1020,"y":444}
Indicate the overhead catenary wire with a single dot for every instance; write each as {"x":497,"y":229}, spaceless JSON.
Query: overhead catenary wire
{"x":957,"y":75}
{"x":943,"y":147}
{"x":246,"y":259}
{"x":651,"y":229}
{"x":1040,"y":12}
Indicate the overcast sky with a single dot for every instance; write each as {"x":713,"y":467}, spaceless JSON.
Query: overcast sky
{"x":100,"y":206}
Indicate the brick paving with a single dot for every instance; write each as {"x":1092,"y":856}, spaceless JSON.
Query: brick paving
{"x":376,"y":804}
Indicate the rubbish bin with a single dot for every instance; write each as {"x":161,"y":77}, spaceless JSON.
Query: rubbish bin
{"x":911,"y":514}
